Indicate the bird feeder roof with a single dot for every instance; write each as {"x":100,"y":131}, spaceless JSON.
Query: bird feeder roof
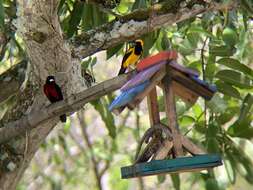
{"x":151,"y":70}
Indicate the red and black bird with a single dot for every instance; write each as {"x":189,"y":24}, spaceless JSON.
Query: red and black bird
{"x":54,"y":93}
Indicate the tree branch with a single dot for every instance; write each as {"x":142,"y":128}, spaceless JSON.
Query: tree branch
{"x":136,"y":24}
{"x":69,"y":105}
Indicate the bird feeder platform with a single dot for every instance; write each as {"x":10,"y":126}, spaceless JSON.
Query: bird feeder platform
{"x":164,"y":140}
{"x":182,"y":164}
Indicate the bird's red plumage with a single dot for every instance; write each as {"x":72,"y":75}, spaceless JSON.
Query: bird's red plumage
{"x":51,"y":92}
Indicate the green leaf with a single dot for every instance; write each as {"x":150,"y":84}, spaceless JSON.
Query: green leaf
{"x":243,"y":160}
{"x":210,"y":67}
{"x":235,"y":78}
{"x":212,"y":131}
{"x":75,"y":18}
{"x":231,"y":166}
{"x":66,"y":127}
{"x":175,"y":180}
{"x":236,"y":65}
{"x":212,"y":143}
{"x":149,"y":40}
{"x":222,"y":51}
{"x":241,"y":129}
{"x":227,"y":89}
{"x":139,"y":4}
{"x":60,"y":5}
{"x":197,"y":110}
{"x":247,"y":6}
{"x":217,"y":104}
{"x":200,"y":30}
{"x":106,"y":115}
{"x":200,"y":127}
{"x":186,"y":121}
{"x":161,"y":178}
{"x":93,"y":62}
{"x":212,"y":184}
{"x":185,"y":47}
{"x":85,"y":64}
{"x":227,"y":115}
{"x":246,"y":107}
{"x":193,"y":38}
{"x":112,"y":51}
{"x":1,"y":15}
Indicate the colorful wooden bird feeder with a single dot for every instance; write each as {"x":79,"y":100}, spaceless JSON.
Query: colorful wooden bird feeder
{"x":164,"y":140}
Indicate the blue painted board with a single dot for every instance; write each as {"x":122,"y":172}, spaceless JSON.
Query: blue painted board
{"x":182,"y":164}
{"x":127,"y":96}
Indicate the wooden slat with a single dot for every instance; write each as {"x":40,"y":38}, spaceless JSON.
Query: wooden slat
{"x":153,"y":82}
{"x":163,"y":151}
{"x":187,"y":143}
{"x":191,"y":147}
{"x":153,"y":108}
{"x":177,"y":165}
{"x":170,"y":108}
{"x":192,"y":85}
{"x":187,"y":95}
{"x":183,"y":69}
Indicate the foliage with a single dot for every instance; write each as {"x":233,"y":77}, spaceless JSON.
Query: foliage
{"x":217,"y":44}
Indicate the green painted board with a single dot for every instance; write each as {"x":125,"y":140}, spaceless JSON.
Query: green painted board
{"x":182,"y":164}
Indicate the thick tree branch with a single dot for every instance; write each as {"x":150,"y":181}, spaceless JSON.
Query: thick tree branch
{"x":69,"y":105}
{"x":138,"y":23}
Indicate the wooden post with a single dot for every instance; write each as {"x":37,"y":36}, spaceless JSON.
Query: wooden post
{"x":153,"y":108}
{"x":170,"y":108}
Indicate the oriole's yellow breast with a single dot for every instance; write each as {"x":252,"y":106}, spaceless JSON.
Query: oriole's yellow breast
{"x":132,"y":59}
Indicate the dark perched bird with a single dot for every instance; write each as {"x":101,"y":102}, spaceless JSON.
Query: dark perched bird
{"x":54,"y":93}
{"x":131,"y":56}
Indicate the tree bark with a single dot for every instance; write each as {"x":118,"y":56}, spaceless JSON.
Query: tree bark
{"x":48,"y":53}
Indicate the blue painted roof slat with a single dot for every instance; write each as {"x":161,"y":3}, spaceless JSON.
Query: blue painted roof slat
{"x":127,"y":96}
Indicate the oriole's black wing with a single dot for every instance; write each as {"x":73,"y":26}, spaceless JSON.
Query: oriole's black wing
{"x":127,"y":54}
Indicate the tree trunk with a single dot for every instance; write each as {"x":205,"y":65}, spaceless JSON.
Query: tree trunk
{"x":48,"y":54}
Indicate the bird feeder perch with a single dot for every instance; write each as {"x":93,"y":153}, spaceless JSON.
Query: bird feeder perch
{"x":164,"y":140}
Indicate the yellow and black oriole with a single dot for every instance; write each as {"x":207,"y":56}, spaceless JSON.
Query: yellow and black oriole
{"x":131,"y":56}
